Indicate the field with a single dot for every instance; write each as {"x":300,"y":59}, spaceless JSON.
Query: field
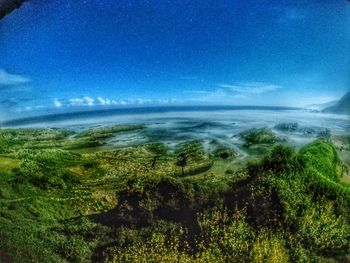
{"x":77,"y":196}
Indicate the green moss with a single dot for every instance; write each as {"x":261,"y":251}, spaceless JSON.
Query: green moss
{"x":322,"y":160}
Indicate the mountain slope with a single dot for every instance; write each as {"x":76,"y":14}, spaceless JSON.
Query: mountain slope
{"x":343,"y":106}
{"x":322,"y":106}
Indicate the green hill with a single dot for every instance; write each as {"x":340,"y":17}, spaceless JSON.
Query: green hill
{"x":149,"y":203}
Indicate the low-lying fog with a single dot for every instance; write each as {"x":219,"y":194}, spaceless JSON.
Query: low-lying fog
{"x":212,"y":127}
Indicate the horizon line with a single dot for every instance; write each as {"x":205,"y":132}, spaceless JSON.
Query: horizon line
{"x":134,"y":110}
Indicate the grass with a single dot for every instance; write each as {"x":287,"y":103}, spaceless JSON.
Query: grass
{"x":8,"y":165}
{"x":148,"y":203}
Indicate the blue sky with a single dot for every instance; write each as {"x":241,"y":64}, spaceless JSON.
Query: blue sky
{"x":70,"y":55}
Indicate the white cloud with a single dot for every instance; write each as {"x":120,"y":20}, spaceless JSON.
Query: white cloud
{"x":30,"y":108}
{"x":89,"y":101}
{"x":101,"y":101}
{"x":237,"y":90}
{"x":143,"y":101}
{"x":57,"y":103}
{"x":218,"y":96}
{"x":8,"y":79}
{"x":166,"y":101}
{"x":84,"y":101}
{"x":76,"y":102}
{"x":240,"y":93}
{"x":104,"y":101}
{"x":251,"y":87}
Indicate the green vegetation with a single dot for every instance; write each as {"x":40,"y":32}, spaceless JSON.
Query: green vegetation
{"x":224,"y":152}
{"x":325,"y":135}
{"x":106,"y":132}
{"x":289,"y":127}
{"x":13,"y":140}
{"x":192,"y":157}
{"x":151,"y":203}
{"x":258,"y":136}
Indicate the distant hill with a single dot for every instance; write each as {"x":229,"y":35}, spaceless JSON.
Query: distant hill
{"x":322,"y":106}
{"x":343,"y":105}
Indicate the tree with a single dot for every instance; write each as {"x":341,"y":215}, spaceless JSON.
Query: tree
{"x":182,"y":161}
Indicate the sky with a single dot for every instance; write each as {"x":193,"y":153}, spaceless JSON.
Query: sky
{"x":69,"y":55}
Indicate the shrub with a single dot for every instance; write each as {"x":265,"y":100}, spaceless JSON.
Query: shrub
{"x":258,"y":136}
{"x":223,"y":152}
{"x":289,"y":127}
{"x":225,"y":238}
{"x":191,"y":155}
{"x":269,"y":248}
{"x":321,"y":159}
{"x":282,"y":159}
{"x":324,"y":231}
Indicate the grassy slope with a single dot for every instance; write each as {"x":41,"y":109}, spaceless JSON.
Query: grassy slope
{"x":342,"y":144}
{"x":124,"y":205}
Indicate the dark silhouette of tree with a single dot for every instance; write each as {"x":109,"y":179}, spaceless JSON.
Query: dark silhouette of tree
{"x":189,"y":153}
{"x":182,"y":162}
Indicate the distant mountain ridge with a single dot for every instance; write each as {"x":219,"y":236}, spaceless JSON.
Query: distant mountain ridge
{"x":321,"y":106}
{"x":343,"y":105}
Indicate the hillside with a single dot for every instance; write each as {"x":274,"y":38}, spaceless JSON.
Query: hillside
{"x":148,"y":203}
{"x":343,"y":106}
